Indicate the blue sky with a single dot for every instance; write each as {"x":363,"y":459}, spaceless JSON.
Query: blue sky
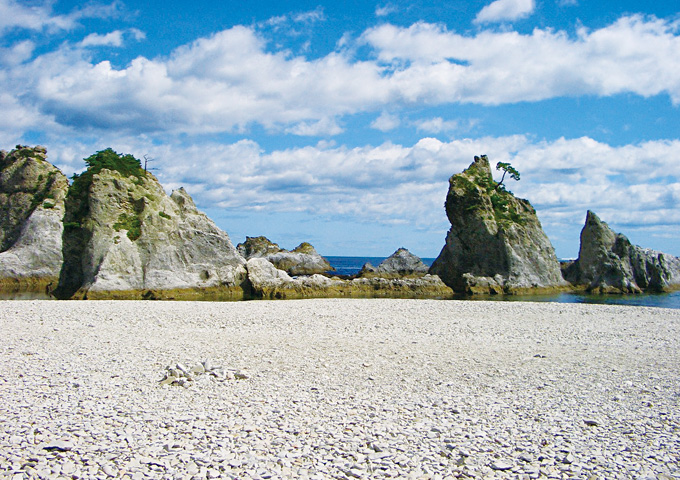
{"x":339,"y":123}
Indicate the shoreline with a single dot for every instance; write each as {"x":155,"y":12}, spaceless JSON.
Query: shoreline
{"x":354,"y":388}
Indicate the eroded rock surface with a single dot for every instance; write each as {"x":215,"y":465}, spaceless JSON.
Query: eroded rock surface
{"x":609,"y":263}
{"x":32,"y":193}
{"x":126,"y":238}
{"x":302,"y":260}
{"x":496,"y":243}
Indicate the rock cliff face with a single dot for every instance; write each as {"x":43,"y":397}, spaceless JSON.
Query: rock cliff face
{"x":126,"y":238}
{"x":303,"y":260}
{"x":609,"y":263}
{"x":496,"y":243}
{"x":32,"y":193}
{"x":401,"y":263}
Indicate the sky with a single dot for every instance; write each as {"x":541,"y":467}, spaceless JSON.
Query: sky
{"x":340,"y":123}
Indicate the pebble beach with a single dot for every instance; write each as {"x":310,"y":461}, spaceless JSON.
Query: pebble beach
{"x":338,"y":388}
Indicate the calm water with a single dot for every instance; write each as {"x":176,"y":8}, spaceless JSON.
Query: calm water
{"x":352,"y":265}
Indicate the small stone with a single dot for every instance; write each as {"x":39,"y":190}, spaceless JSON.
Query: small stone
{"x":501,"y":465}
{"x":58,"y":446}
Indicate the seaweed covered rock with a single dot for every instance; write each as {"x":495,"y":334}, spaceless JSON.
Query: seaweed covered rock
{"x":126,"y":238}
{"x":401,"y":263}
{"x":496,"y":243}
{"x":32,"y":193}
{"x":609,"y":263}
{"x":302,"y":260}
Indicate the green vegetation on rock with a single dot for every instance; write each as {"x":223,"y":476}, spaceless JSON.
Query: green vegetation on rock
{"x":130,"y":222}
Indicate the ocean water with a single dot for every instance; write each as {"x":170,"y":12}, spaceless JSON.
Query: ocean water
{"x":352,"y":265}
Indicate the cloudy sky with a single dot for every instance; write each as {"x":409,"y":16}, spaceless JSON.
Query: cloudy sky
{"x":339,"y":123}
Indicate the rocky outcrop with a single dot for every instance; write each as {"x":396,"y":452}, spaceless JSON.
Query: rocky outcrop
{"x":303,"y":260}
{"x":266,"y":281}
{"x":257,"y":247}
{"x":32,"y":193}
{"x":496,"y":243}
{"x":609,"y":263}
{"x":401,"y":263}
{"x":126,"y":238}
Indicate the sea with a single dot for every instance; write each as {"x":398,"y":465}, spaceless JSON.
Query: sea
{"x":351,"y":266}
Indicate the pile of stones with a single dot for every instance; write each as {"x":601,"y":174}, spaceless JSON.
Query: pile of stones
{"x":180,"y":375}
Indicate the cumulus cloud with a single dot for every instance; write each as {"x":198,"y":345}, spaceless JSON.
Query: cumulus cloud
{"x":386,"y":122}
{"x":430,"y":64}
{"x":17,"y":53}
{"x":502,"y":10}
{"x":232,"y":80}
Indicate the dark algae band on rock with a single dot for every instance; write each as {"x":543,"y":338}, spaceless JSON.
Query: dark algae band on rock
{"x":115,"y":234}
{"x":496,"y":244}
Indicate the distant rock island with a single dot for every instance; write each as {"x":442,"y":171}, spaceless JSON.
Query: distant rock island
{"x":609,"y":263}
{"x":114,"y":233}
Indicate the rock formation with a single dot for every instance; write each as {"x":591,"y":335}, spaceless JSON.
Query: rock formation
{"x":32,"y":193}
{"x":303,"y":260}
{"x":401,"y":263}
{"x":257,"y":247}
{"x":496,"y":243}
{"x":609,"y":263}
{"x":266,"y":281}
{"x":126,"y":238}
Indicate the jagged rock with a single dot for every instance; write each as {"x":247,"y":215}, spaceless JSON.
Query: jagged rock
{"x":256,"y":247}
{"x":609,"y":263}
{"x":303,"y":260}
{"x":126,"y":238}
{"x":367,"y":270}
{"x":32,"y":193}
{"x":269,"y":282}
{"x":496,"y":243}
{"x":401,"y":263}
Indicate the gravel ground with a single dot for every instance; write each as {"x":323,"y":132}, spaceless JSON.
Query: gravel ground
{"x":338,"y":389}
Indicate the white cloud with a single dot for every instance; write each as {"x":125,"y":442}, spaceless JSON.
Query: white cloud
{"x":39,"y":16}
{"x":325,"y":126}
{"x":393,"y":183}
{"x":231,"y":80}
{"x":111,"y":39}
{"x":436,"y":125}
{"x":502,"y":10}
{"x":386,"y":122}
{"x":316,"y":15}
{"x":385,"y":10}
{"x":431,"y":65}
{"x":17,"y":53}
